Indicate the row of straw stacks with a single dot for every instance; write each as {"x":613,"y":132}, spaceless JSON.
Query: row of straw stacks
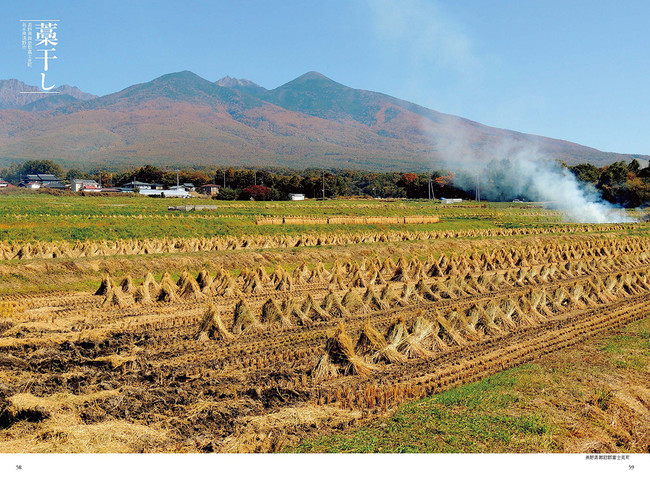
{"x":63,"y":249}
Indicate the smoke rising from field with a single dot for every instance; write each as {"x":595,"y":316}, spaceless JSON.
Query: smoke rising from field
{"x":539,"y":180}
{"x":517,"y":170}
{"x":438,"y":43}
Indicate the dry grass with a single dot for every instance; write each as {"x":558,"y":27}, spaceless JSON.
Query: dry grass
{"x":66,"y":434}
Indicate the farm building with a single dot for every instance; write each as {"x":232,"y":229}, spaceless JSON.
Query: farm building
{"x":4,"y":184}
{"x":210,"y":189}
{"x":42,"y":180}
{"x":136,"y":185}
{"x":78,"y":185}
{"x":451,"y":200}
{"x":171,"y":193}
{"x":185,"y":186}
{"x":296,"y":196}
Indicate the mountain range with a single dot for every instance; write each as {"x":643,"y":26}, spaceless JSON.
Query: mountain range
{"x":181,"y":119}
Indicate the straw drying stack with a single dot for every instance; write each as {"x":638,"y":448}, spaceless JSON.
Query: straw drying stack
{"x":244,"y":320}
{"x":105,"y":286}
{"x":374,"y":346}
{"x":339,"y":358}
{"x":212,"y":327}
{"x":272,"y":315}
{"x":312,"y":310}
{"x":332,"y":305}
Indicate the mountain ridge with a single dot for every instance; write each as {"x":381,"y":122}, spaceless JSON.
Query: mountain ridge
{"x":181,"y":118}
{"x":12,"y":97}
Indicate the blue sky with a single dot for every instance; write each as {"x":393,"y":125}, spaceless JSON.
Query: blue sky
{"x":575,"y":70}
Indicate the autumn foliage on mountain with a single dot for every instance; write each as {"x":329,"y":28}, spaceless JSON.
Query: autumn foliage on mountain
{"x":183,"y":120}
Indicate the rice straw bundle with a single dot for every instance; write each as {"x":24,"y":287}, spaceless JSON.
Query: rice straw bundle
{"x":294,"y":313}
{"x":244,"y":320}
{"x":353,"y":302}
{"x":204,"y":279}
{"x":166,"y":279}
{"x":332,"y":305}
{"x":272,"y":316}
{"x":142,"y":294}
{"x":340,"y":357}
{"x":312,"y":309}
{"x":212,"y":327}
{"x":127,"y":285}
{"x":372,"y":301}
{"x":167,"y":293}
{"x":105,"y":286}
{"x":184,"y":278}
{"x":191,"y":290}
{"x":413,"y":346}
{"x":373,"y":345}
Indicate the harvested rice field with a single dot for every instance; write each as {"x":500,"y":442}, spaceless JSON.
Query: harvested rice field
{"x":302,"y":335}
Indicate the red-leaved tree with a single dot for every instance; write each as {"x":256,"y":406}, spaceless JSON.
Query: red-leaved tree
{"x":258,"y":192}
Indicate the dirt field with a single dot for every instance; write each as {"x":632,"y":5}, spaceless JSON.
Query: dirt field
{"x":253,"y":347}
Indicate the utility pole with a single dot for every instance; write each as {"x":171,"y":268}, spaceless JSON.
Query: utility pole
{"x":429,"y":183}
{"x":224,"y":178}
{"x":478,"y":189}
{"x":323,"y":184}
{"x":177,"y":170}
{"x":254,"y":177}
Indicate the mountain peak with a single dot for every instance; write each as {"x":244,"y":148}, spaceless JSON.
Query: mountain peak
{"x":313,"y":75}
{"x":184,"y":86}
{"x":234,"y":82}
{"x":311,"y":80}
{"x":11,"y":96}
{"x":181,"y":76}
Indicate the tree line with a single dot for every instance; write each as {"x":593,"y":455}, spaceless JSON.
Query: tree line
{"x":264,"y":184}
{"x":622,"y":183}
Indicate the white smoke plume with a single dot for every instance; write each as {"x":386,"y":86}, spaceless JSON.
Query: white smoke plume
{"x":426,"y":33}
{"x":517,"y":170}
{"x":539,"y":180}
{"x":438,"y":43}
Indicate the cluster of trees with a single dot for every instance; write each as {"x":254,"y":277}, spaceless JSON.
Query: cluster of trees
{"x":622,"y":183}
{"x":315,"y":184}
{"x":151,"y":174}
{"x":17,"y":171}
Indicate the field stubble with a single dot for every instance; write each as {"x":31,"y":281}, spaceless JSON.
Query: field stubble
{"x":257,"y":344}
